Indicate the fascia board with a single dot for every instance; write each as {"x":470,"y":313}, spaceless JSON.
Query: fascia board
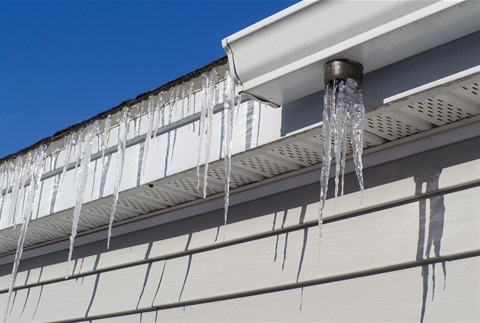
{"x":281,"y":59}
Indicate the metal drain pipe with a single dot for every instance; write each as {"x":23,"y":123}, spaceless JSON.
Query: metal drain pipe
{"x":343,"y":69}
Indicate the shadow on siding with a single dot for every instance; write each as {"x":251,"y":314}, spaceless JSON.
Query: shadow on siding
{"x":427,"y":182}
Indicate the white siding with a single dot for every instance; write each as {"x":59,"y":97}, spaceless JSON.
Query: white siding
{"x":373,"y":263}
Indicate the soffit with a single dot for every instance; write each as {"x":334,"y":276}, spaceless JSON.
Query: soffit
{"x":459,"y":101}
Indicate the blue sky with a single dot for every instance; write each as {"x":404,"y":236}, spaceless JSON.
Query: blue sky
{"x":62,"y":62}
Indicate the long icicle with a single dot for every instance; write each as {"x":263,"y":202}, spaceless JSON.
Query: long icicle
{"x":201,"y":127}
{"x":357,"y":120}
{"x":121,"y":146}
{"x":191,"y":103}
{"x":23,"y":189}
{"x":343,"y":114}
{"x":150,"y":133}
{"x":3,"y":174}
{"x":338,"y":114}
{"x":104,"y":161}
{"x":56,"y":181}
{"x":105,"y":138}
{"x":36,"y":170}
{"x":326,"y":151}
{"x":172,"y":108}
{"x":69,"y":142}
{"x":89,"y":136}
{"x":17,"y":180}
{"x":4,"y":171}
{"x":78,"y":150}
{"x":209,"y":129}
{"x":5,"y":182}
{"x":159,"y":119}
{"x":229,"y":104}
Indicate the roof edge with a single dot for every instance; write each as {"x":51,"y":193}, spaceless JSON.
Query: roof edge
{"x":129,"y":102}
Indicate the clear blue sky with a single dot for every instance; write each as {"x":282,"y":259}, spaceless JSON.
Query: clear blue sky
{"x":62,"y":62}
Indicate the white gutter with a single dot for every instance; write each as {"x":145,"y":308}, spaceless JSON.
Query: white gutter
{"x":280,"y":59}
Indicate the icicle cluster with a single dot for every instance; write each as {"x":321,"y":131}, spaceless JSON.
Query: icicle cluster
{"x":343,"y":116}
{"x":20,"y":178}
{"x":25,"y":175}
{"x":85,"y":147}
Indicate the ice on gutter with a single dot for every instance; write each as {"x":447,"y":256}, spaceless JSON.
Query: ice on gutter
{"x":20,"y":177}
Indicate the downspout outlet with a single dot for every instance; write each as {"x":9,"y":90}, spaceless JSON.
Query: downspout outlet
{"x":343,"y":69}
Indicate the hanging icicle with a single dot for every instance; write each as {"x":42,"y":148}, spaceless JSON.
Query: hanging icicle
{"x":21,"y":204}
{"x":87,"y":144}
{"x":123,"y":121}
{"x":3,"y":173}
{"x":5,"y":182}
{"x":35,"y":172}
{"x":229,"y":105}
{"x":105,"y":136}
{"x":150,"y":133}
{"x":201,"y":126}
{"x":191,"y":101}
{"x":172,"y":108}
{"x":206,"y":124}
{"x":17,"y":179}
{"x":160,"y":118}
{"x":69,"y":142}
{"x":343,"y":117}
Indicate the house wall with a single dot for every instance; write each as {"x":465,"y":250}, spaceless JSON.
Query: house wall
{"x":408,"y":251}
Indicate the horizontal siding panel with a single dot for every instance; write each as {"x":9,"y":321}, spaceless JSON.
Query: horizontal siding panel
{"x":377,"y":196}
{"x":374,"y":240}
{"x":394,"y":296}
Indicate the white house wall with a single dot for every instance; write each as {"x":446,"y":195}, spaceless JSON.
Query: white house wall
{"x":371,"y":261}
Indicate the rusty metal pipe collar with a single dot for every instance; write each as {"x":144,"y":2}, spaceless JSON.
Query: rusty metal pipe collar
{"x":343,"y":69}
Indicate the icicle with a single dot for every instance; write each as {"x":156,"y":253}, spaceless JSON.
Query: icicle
{"x":53,"y":159}
{"x":56,"y":181}
{"x":23,"y":188}
{"x":138,"y":121}
{"x":203,"y":114}
{"x":357,"y":119}
{"x":172,"y":107}
{"x":183,"y":101}
{"x":6,"y":179}
{"x":69,"y":141}
{"x":3,"y":173}
{"x":326,"y":151}
{"x":210,"y":106}
{"x":103,"y":147}
{"x":229,"y":104}
{"x":17,"y":180}
{"x":343,"y":114}
{"x":338,"y":118}
{"x":78,"y":150}
{"x":206,"y":125}
{"x":160,"y":116}
{"x":191,"y":103}
{"x":89,"y":136}
{"x":121,"y":146}
{"x":35,"y":172}
{"x":173,"y":103}
{"x":104,"y":138}
{"x":150,"y":133}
